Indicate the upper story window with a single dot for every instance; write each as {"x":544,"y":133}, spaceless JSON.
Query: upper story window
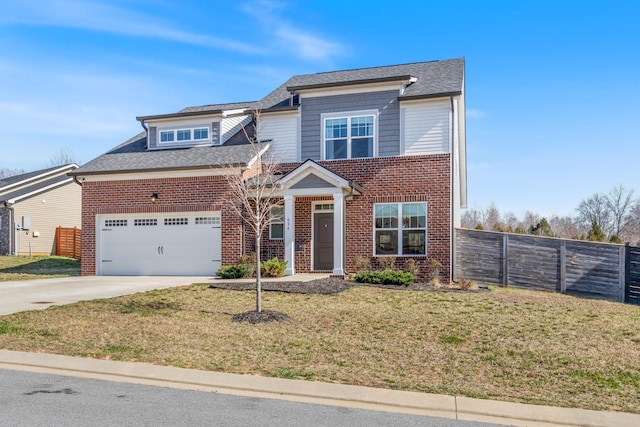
{"x":184,"y":135}
{"x":349,"y":135}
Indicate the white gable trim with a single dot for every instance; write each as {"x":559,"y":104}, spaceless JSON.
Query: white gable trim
{"x":39,"y":177}
{"x":310,"y":167}
{"x":39,"y":191}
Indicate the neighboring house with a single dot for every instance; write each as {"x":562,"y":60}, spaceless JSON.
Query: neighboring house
{"x":373,"y":165}
{"x":33,"y":205}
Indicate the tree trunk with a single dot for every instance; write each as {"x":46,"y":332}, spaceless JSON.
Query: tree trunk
{"x":258,"y":282}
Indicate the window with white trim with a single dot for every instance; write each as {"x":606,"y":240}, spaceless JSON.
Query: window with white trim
{"x":184,"y":135}
{"x":400,"y":229}
{"x":276,"y":223}
{"x":349,"y":136}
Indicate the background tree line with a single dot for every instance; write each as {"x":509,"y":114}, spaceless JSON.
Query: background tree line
{"x":604,"y":217}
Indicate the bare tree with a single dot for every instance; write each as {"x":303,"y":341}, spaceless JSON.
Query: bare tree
{"x":619,"y":202}
{"x":566,"y":227}
{"x":595,"y":210}
{"x":6,"y":172}
{"x":633,"y":224}
{"x":255,"y":193}
{"x":62,"y":157}
{"x":471,"y":218}
{"x":491,"y":220}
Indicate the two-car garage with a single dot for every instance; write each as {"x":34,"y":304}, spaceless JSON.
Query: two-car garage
{"x":158,"y":244}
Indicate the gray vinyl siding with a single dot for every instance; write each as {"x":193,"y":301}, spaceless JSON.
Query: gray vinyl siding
{"x":385,"y":102}
{"x":312,"y":181}
{"x":153,"y":137}
{"x":215,"y":133}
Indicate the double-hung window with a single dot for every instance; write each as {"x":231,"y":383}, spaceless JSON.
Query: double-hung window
{"x":349,"y":136}
{"x":400,"y":229}
{"x":276,"y":224}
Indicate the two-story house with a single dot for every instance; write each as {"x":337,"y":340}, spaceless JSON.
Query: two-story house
{"x":373,"y":164}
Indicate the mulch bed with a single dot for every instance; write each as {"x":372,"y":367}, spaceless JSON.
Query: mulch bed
{"x":325,"y":286}
{"x":328,"y":285}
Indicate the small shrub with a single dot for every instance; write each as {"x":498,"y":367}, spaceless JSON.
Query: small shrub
{"x":273,"y":268}
{"x":466,"y":284}
{"x":386,"y":277}
{"x":361,"y":263}
{"x":232,"y":271}
{"x":386,"y":262}
{"x":249,"y":260}
{"x":411,"y":266}
{"x":434,"y":272}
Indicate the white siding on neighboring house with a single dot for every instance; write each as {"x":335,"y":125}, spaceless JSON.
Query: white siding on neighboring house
{"x":282,"y":130}
{"x":229,"y":126}
{"x":59,"y":207}
{"x":425,"y":126}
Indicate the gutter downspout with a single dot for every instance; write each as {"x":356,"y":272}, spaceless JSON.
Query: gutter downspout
{"x":146,"y":133}
{"x":452,"y":239}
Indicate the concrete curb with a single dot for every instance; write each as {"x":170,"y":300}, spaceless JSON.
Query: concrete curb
{"x":444,"y":406}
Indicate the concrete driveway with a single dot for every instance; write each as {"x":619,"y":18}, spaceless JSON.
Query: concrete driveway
{"x":42,"y":293}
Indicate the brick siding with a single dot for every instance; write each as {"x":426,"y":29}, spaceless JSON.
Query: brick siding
{"x":425,"y":178}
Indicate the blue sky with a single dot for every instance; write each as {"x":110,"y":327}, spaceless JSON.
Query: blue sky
{"x":552,"y":86}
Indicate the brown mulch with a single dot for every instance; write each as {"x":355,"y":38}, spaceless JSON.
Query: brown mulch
{"x":265,"y":316}
{"x":326,"y":286}
{"x":329,"y":285}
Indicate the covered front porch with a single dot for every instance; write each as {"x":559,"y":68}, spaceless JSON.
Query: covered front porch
{"x":322,"y":217}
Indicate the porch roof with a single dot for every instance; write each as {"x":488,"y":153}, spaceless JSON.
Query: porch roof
{"x":312,"y":178}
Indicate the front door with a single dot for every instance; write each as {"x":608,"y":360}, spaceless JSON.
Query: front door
{"x":323,"y":241}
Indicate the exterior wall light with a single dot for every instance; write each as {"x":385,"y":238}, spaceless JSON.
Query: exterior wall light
{"x":154,"y":197}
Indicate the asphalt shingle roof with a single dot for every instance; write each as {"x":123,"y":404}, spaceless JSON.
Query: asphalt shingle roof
{"x":33,"y":188}
{"x":433,"y":79}
{"x":133,"y":156}
{"x":24,"y":176}
{"x":40,"y":181}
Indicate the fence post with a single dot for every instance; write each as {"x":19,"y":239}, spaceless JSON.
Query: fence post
{"x":505,"y":260}
{"x":627,"y":271}
{"x":563,"y":266}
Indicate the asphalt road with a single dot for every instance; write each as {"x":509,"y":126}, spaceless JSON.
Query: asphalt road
{"x":37,"y":399}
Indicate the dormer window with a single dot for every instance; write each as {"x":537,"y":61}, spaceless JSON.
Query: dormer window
{"x":184,"y":135}
{"x":349,"y":135}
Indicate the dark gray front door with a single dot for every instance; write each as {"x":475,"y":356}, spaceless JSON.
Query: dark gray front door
{"x":323,"y":241}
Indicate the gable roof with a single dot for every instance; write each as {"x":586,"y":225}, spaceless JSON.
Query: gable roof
{"x":25,"y":185}
{"x":428,"y":79}
{"x":435,"y":78}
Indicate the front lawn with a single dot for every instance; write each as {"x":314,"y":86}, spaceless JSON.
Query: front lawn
{"x":37,"y":267}
{"x":507,"y":344}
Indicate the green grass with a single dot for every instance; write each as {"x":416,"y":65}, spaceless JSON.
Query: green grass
{"x":37,"y":267}
{"x":507,"y":344}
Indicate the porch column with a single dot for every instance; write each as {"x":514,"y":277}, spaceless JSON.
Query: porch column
{"x":338,"y":234}
{"x":289,"y":235}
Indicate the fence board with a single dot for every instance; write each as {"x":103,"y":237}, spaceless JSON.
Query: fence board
{"x":542,"y":263}
{"x":632,"y":288}
{"x":68,"y":242}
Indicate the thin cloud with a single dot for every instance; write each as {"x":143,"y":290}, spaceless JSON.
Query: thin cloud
{"x":475,"y":113}
{"x":96,"y":16}
{"x":306,"y":45}
{"x":296,"y":40}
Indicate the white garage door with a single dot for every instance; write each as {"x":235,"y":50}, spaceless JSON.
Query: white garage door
{"x":168,"y":244}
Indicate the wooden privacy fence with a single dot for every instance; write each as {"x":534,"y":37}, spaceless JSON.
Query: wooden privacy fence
{"x":598,"y":270}
{"x":68,"y":242}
